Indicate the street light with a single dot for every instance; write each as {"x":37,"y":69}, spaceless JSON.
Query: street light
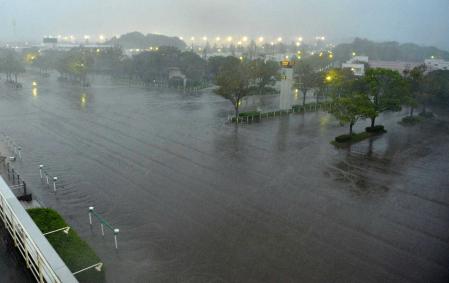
{"x":229,"y":38}
{"x":279,"y":39}
{"x":261,"y":39}
{"x":328,"y":78}
{"x":245,"y":39}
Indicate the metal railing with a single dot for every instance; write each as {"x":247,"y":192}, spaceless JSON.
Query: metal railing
{"x":40,"y":257}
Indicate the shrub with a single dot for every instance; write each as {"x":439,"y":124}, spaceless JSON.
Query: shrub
{"x":411,"y":120}
{"x":343,"y":138}
{"x":249,"y":114}
{"x":375,"y":129}
{"x":427,"y":115}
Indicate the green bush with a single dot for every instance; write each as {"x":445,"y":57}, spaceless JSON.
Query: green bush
{"x":75,"y":252}
{"x":375,"y":129}
{"x":249,"y":114}
{"x":427,"y":115}
{"x":411,"y":120}
{"x":343,"y":138}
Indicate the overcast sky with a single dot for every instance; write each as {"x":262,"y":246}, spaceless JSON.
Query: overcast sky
{"x":420,"y":21}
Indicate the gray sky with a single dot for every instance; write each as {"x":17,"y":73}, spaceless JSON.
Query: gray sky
{"x":420,"y":21}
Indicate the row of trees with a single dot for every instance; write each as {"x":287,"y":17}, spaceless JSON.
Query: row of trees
{"x":382,"y":90}
{"x":11,"y":65}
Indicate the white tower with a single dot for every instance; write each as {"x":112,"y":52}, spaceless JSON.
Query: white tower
{"x":286,"y":98}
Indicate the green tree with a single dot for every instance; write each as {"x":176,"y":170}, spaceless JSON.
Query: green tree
{"x":386,"y":89}
{"x":415,"y":83}
{"x":350,"y":108}
{"x":233,"y":81}
{"x":264,"y":75}
{"x":306,"y":79}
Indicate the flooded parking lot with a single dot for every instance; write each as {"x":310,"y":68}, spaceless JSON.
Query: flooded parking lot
{"x":198,"y":200}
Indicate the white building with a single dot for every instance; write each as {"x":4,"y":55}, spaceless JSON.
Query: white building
{"x":357,"y":68}
{"x":356,"y":64}
{"x":436,"y":64}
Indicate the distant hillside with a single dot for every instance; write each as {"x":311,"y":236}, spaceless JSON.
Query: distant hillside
{"x":139,"y":40}
{"x":388,"y":51}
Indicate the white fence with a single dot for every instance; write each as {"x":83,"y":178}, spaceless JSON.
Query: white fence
{"x":40,"y":257}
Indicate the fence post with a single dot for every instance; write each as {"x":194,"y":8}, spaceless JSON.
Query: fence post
{"x":91,"y":209}
{"x":40,"y":170}
{"x":116,"y":231}
{"x":54,"y":183}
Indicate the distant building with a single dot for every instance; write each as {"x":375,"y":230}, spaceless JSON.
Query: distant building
{"x":356,"y":68}
{"x":399,"y":66}
{"x":356,"y":64}
{"x":436,"y":64}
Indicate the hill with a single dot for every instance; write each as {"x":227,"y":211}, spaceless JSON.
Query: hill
{"x":139,"y":40}
{"x":388,"y":51}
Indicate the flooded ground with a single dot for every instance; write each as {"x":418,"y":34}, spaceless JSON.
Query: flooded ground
{"x":197,"y":200}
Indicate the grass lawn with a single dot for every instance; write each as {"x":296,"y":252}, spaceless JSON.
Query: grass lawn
{"x":75,"y":252}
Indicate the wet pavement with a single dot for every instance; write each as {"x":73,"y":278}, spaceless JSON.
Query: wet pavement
{"x":198,"y":200}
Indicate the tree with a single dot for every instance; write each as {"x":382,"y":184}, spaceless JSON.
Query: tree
{"x":264,"y":75}
{"x":233,"y":81}
{"x":437,"y":85}
{"x":306,"y":79}
{"x":415,"y":83}
{"x":350,"y":108}
{"x":11,"y":65}
{"x":386,"y":89}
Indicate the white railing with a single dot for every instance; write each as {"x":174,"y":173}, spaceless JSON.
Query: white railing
{"x":40,"y":257}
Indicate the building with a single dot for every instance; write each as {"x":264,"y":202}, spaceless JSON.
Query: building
{"x":436,"y":64}
{"x":399,"y":66}
{"x":356,"y":64}
{"x":357,"y":68}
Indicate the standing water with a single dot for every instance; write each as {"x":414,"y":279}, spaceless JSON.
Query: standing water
{"x":198,"y":200}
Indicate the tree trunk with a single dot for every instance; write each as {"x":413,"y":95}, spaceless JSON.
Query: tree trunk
{"x":236,"y":107}
{"x":373,"y":121}
{"x":424,"y":107}
{"x":304,"y":92}
{"x":350,"y":128}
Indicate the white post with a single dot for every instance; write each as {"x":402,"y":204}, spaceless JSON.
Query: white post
{"x":115,"y":237}
{"x":40,"y":170}
{"x":102,"y":230}
{"x":46,"y":176}
{"x":19,"y":150}
{"x":54,"y":183}
{"x":91,"y":208}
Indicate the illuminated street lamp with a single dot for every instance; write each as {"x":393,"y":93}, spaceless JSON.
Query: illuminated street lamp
{"x":279,"y":39}
{"x":328,"y":78}
{"x":229,"y":38}
{"x":217,"y":38}
{"x":261,"y":39}
{"x":205,"y":38}
{"x":245,"y":39}
{"x":353,"y":54}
